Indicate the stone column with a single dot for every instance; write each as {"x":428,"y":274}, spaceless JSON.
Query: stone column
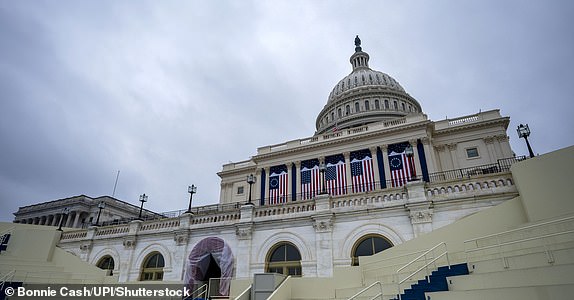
{"x":375,"y":165}
{"x":289,"y":196}
{"x":129,"y":243}
{"x":256,"y":192}
{"x":348,"y":171}
{"x":298,"y":181}
{"x":323,"y":224}
{"x":321,"y":181}
{"x":267,"y":174}
{"x":430,"y":155}
{"x":243,"y":254}
{"x":418,"y":168}
{"x":489,"y":141}
{"x":386,"y":165}
{"x":54,"y":220}
{"x":77,"y":219}
{"x":69,"y":220}
{"x":453,"y":156}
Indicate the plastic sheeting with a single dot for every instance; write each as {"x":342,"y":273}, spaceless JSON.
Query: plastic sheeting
{"x":207,"y":250}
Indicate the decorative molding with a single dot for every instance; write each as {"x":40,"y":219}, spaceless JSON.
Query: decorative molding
{"x":425,"y":140}
{"x":452,"y":146}
{"x":129,"y":242}
{"x":421,"y":216}
{"x":502,"y":138}
{"x":489,"y":140}
{"x":86,"y":246}
{"x":244,"y":232}
{"x":181,"y":237}
{"x":440,"y":148}
{"x":323,"y":224}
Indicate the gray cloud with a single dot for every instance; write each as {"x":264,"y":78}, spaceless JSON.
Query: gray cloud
{"x":168,"y":91}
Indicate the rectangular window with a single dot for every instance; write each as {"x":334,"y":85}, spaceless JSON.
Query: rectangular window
{"x":471,"y":152}
{"x":240,"y":190}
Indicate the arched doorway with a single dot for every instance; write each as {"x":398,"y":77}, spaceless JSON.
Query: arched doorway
{"x":369,"y":245}
{"x":210,"y":258}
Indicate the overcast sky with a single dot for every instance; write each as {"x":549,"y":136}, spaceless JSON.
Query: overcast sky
{"x":169,"y":91}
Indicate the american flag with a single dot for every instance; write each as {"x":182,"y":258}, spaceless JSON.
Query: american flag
{"x":310,"y":179}
{"x":278,"y":186}
{"x":336,"y":175}
{"x":362,"y":174}
{"x":401,"y":166}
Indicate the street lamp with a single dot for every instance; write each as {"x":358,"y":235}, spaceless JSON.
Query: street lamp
{"x":101,"y":206}
{"x":143,"y":199}
{"x":410,"y":153}
{"x":192,"y":189}
{"x":251,"y":181}
{"x":322,"y":169}
{"x":65,"y":212}
{"x":524,"y":132}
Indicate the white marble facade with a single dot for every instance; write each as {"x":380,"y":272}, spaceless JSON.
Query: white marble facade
{"x":461,"y":167}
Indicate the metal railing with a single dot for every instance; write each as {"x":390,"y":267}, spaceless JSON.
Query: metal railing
{"x":6,"y":278}
{"x":380,"y":294}
{"x":427,"y":262}
{"x":200,"y":292}
{"x":498,"y":243}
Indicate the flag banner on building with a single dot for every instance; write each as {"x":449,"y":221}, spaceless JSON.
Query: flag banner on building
{"x":362,"y":172}
{"x":402,"y":167}
{"x":336,"y":175}
{"x":278,"y":184}
{"x":310,"y":179}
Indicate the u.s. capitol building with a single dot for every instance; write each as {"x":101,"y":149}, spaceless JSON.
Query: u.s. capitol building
{"x":376,"y":173}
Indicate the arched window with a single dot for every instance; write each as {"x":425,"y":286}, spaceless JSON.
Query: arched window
{"x":106,"y":263}
{"x":285,"y":259}
{"x":395,"y":105}
{"x":386,"y":104}
{"x":403,"y":106}
{"x":357,"y":108}
{"x":152,"y":268}
{"x":332,"y":116}
{"x":339,"y":111}
{"x":347,"y":110}
{"x":377,"y":105}
{"x":367,"y":106}
{"x":369,"y":245}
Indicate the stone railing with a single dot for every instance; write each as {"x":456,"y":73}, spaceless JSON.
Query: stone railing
{"x":159,"y":225}
{"x":215,"y":218}
{"x":285,"y":209}
{"x":73,"y":235}
{"x":476,"y":185}
{"x":112,"y":230}
{"x":376,"y":198}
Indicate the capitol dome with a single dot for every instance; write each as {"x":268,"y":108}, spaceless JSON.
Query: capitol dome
{"x":364,"y":96}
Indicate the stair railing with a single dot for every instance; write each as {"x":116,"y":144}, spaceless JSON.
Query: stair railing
{"x":200,"y":291}
{"x":380,"y":294}
{"x":368,"y":269}
{"x":426,"y":265}
{"x":6,"y":278}
{"x":499,"y":244}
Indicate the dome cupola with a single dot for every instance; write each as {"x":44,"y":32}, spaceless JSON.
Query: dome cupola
{"x":364,"y":96}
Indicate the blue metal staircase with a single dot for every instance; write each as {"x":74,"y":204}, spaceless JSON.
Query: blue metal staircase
{"x":433,"y":283}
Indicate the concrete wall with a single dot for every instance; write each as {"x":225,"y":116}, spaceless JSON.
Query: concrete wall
{"x":545,"y":184}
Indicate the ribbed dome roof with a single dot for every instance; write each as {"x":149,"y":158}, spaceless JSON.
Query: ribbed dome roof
{"x":364,"y":77}
{"x":364,"y":96}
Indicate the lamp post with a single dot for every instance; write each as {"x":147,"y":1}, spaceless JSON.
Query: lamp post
{"x":143,"y":199}
{"x":101,"y":206}
{"x":251,"y":181}
{"x":322,"y":169}
{"x":410,"y":153}
{"x":524,"y":132}
{"x":192,"y":189}
{"x":65,"y":212}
